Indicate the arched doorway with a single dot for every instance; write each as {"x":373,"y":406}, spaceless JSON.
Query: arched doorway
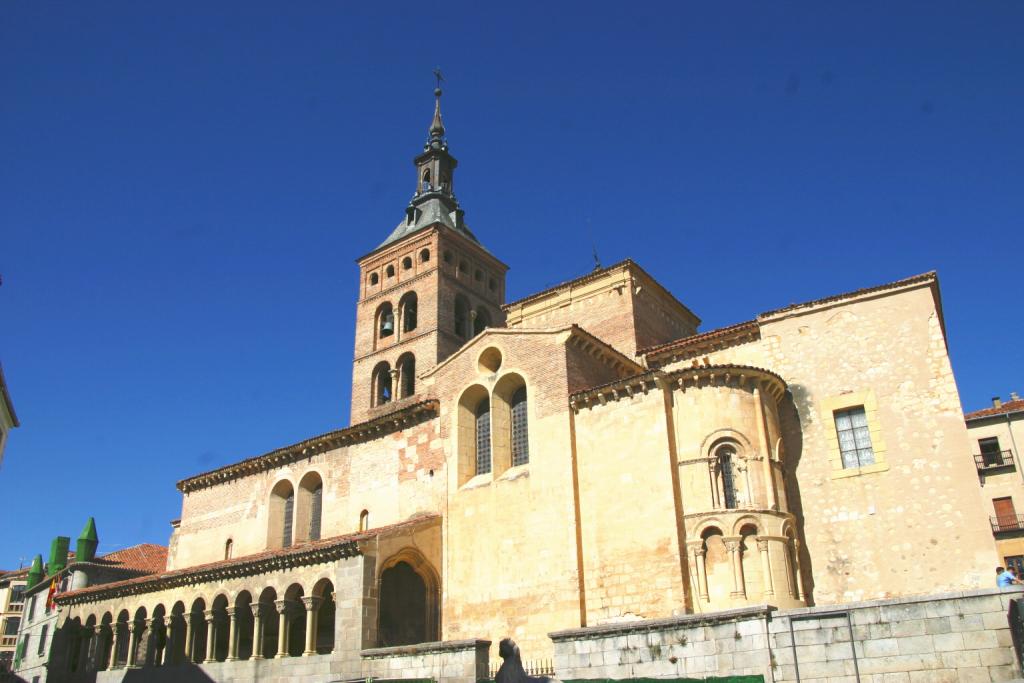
{"x":408,"y":601}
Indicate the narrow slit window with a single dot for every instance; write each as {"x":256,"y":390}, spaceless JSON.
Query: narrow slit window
{"x":483,"y":436}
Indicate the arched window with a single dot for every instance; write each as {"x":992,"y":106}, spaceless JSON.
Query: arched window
{"x":724,"y":455}
{"x":481,"y":321}
{"x":407,"y":310}
{"x":381,"y":384}
{"x":280,"y":512}
{"x":461,"y":316}
{"x":389,"y":271}
{"x":364,"y":520}
{"x":385,"y":320}
{"x":406,"y":263}
{"x":424,"y":255}
{"x":228,"y":549}
{"x":483,"y":436}
{"x":374,"y":278}
{"x":407,"y":374}
{"x":520,"y":441}
{"x":426,"y":180}
{"x":310,"y":508}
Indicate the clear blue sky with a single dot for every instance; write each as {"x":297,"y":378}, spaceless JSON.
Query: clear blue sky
{"x":184,"y":188}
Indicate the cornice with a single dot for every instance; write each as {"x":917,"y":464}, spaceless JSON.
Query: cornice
{"x":685,"y":379}
{"x":358,"y":433}
{"x":258,"y":564}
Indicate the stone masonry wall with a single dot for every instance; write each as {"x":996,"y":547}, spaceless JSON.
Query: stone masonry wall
{"x":953,"y":637}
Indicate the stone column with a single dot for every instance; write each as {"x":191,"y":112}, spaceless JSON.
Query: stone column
{"x":97,"y":652}
{"x":211,"y":646}
{"x":698,"y":553}
{"x":133,"y":638}
{"x":732,"y":544}
{"x":166,"y":657}
{"x":188,"y":636}
{"x":257,"y":631}
{"x":114,"y":629}
{"x":766,"y":568}
{"x":282,"y":628}
{"x":312,"y":605}
{"x":232,"y":635}
{"x":798,"y":587}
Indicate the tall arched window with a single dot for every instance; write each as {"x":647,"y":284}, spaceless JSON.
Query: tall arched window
{"x":481,"y":321}
{"x":483,"y":436}
{"x":407,"y":311}
{"x":461,"y":316}
{"x":426,"y":180}
{"x":406,"y":374}
{"x":315,"y":510}
{"x":381,"y":384}
{"x":280,"y":512}
{"x":364,"y":520}
{"x":725,"y":454}
{"x":520,"y":440}
{"x":229,"y":549}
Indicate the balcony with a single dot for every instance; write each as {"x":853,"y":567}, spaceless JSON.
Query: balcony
{"x":15,"y":606}
{"x":993,"y":460}
{"x":1007,"y":523}
{"x":8,"y":641}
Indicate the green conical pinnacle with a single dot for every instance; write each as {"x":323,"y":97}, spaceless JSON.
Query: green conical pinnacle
{"x":85,"y":548}
{"x":89,"y":532}
{"x":35,"y":574}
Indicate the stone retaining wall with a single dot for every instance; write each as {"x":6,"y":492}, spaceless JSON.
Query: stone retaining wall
{"x":959,"y":637}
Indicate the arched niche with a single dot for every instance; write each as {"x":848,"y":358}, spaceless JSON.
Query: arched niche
{"x":409,"y":591}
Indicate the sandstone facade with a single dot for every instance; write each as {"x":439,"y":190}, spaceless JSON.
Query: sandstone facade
{"x":582,"y":458}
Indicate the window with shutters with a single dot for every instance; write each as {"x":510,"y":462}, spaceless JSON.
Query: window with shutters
{"x":42,"y":640}
{"x":483,"y":436}
{"x":520,"y":432}
{"x":316,"y":503}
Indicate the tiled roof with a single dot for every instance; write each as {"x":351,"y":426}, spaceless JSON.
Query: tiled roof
{"x":593,"y":275}
{"x":913,"y":280}
{"x":738,"y":329}
{"x":145,"y":558}
{"x":267,"y":560}
{"x":361,"y":431}
{"x":1008,"y":407}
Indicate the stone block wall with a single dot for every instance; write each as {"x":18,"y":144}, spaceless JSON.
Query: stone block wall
{"x":951,"y":637}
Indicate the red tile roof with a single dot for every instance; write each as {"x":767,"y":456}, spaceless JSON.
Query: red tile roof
{"x":739,"y":329}
{"x":912,"y":280}
{"x":1008,"y":407}
{"x":145,"y":558}
{"x":255,"y":562}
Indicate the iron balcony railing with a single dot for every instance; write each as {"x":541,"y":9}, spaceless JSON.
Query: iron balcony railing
{"x":15,"y":606}
{"x":1007,"y":523}
{"x":987,"y":461}
{"x":8,"y":641}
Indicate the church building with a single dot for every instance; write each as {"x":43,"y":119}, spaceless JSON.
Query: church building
{"x":581,"y":457}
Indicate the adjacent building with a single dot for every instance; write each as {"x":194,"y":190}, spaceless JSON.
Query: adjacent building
{"x":43,"y":645}
{"x":12,"y":602}
{"x":8,"y":418}
{"x":580,"y":458}
{"x":995,"y":433}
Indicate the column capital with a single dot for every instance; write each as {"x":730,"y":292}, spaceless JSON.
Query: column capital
{"x":230,"y":611}
{"x":282,"y":606}
{"x":762,"y":545}
{"x":210,"y":615}
{"x":732,"y":543}
{"x":312,"y":602}
{"x":98,"y":629}
{"x":133,"y":627}
{"x":148,"y":622}
{"x":257,"y":609}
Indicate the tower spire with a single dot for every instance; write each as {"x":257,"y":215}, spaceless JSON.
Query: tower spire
{"x":436,"y":140}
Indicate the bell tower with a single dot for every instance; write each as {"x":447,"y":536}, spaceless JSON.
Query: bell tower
{"x":424,"y":291}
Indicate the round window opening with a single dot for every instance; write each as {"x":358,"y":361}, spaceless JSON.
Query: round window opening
{"x":490,"y":360}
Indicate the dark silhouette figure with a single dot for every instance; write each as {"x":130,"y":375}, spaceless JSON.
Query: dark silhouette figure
{"x":512,"y":670}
